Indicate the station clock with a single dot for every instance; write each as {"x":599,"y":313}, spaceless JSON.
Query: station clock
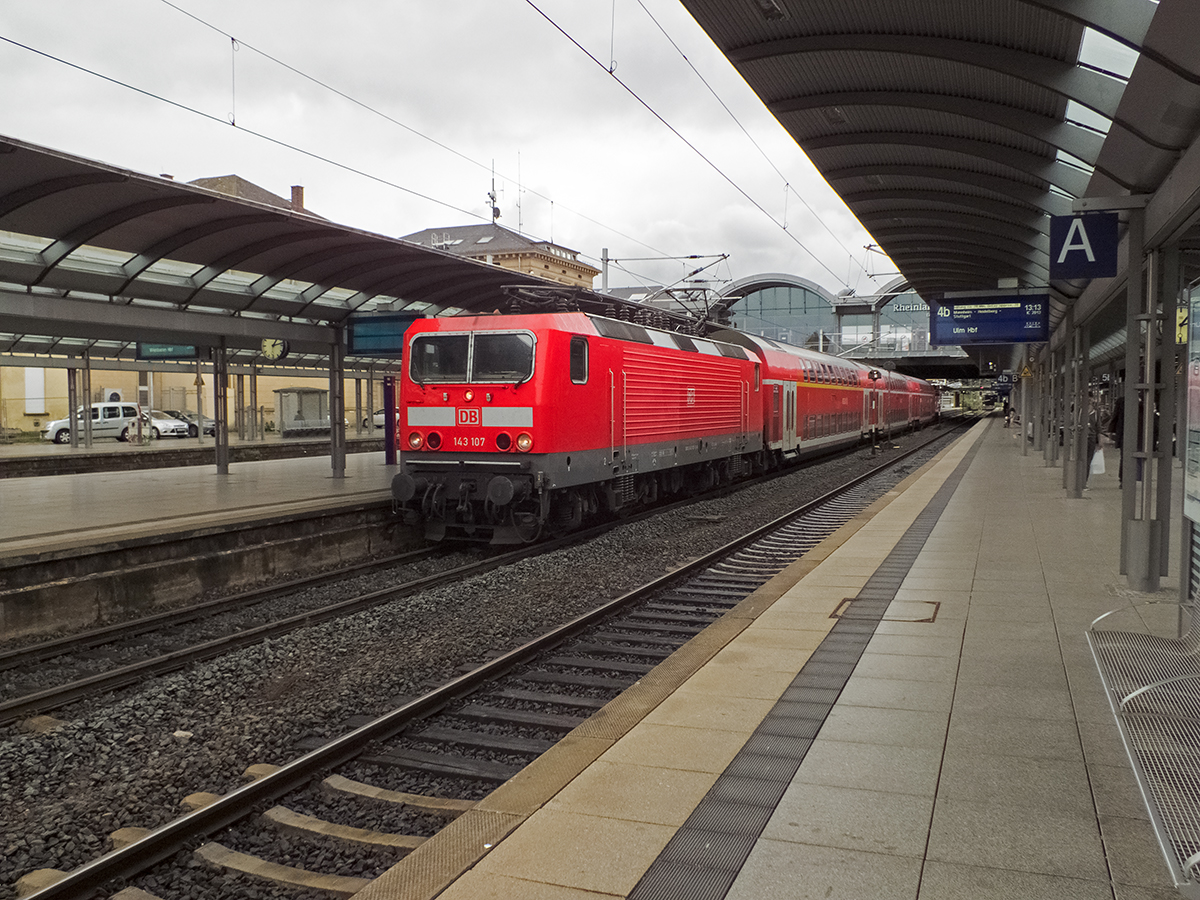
{"x":274,"y":348}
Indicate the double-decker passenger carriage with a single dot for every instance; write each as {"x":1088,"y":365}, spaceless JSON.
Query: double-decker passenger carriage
{"x":512,"y":425}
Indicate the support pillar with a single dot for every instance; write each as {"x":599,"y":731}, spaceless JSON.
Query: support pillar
{"x":199,"y":383}
{"x":337,"y":407}
{"x":1170,"y":284}
{"x":87,"y":398}
{"x":1140,"y":532}
{"x":389,"y":420}
{"x":253,"y":427}
{"x":73,"y":404}
{"x":220,"y":405}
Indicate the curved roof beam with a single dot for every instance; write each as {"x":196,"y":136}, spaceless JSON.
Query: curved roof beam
{"x":897,"y":237}
{"x":967,"y":226}
{"x":80,"y":235}
{"x":947,"y":252}
{"x":387,"y":280}
{"x":338,"y":279}
{"x":214,"y":270}
{"x":1079,"y":142}
{"x":1068,"y":179}
{"x":135,"y":266}
{"x":32,"y":193}
{"x":295,"y":267}
{"x":996,"y":184}
{"x":1099,"y":93}
{"x":1127,"y":22}
{"x":1052,"y":204}
{"x":883,"y":221}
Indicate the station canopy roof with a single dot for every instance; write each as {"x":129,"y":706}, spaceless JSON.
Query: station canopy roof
{"x":954,"y":128}
{"x":99,"y":258}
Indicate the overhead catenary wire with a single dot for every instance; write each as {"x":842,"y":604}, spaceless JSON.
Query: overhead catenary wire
{"x":724,"y":175}
{"x":787,"y":185}
{"x":383,"y":115}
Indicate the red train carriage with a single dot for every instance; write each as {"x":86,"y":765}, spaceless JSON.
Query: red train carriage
{"x":515,"y":424}
{"x":512,"y":423}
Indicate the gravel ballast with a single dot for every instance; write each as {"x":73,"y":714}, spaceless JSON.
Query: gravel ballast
{"x":130,"y":760}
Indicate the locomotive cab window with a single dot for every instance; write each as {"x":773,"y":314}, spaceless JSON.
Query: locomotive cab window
{"x":579,"y":359}
{"x":480,"y":357}
{"x":501,"y":357}
{"x":439,"y":358}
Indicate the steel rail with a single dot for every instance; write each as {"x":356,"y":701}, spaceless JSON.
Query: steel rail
{"x":107,"y":634}
{"x":168,"y":839}
{"x":56,"y":697}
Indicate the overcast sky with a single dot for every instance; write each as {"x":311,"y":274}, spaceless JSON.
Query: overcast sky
{"x":578,"y":159}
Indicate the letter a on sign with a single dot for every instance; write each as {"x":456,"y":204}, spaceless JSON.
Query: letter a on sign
{"x":1083,"y":246}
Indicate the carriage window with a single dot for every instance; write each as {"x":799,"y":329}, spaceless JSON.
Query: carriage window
{"x":502,"y":357}
{"x":579,"y":359}
{"x":438,"y":358}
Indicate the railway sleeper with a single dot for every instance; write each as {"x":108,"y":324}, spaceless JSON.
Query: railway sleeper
{"x":601,"y":665}
{"x":649,"y":652}
{"x":717,"y":577}
{"x":438,"y":806}
{"x":482,"y":741}
{"x":501,"y":716}
{"x":443,"y":764}
{"x":290,"y":822}
{"x":680,"y":618}
{"x":221,"y":857}
{"x":592,"y":703}
{"x":649,"y":639}
{"x":578,"y":679}
{"x":707,"y":607}
{"x":684,"y":631}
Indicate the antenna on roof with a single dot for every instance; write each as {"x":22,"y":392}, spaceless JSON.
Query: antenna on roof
{"x":492,"y":196}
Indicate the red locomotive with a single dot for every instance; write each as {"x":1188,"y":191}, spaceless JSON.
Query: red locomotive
{"x":513,"y":425}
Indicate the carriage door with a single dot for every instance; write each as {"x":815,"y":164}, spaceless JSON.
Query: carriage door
{"x":789,"y":419}
{"x":775,"y":434}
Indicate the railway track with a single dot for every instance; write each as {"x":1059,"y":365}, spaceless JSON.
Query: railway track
{"x":117,"y":656}
{"x":432,"y":757}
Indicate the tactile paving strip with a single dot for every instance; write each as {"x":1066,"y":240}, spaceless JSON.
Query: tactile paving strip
{"x":704,"y":857}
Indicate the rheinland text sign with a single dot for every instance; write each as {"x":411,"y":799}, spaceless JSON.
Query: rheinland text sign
{"x":990,"y":319}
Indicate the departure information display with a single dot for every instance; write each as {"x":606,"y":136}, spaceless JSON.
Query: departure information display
{"x":990,"y":319}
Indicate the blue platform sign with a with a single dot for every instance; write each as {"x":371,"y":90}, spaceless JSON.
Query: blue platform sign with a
{"x":1083,"y":246}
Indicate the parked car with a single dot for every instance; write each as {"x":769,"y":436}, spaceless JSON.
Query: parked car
{"x":109,"y":420}
{"x":195,"y":421}
{"x":163,"y":425}
{"x":378,"y":418}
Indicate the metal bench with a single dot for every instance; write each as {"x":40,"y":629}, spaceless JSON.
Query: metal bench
{"x":1153,"y":686}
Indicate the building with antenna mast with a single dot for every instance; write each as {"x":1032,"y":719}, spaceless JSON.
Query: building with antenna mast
{"x":498,"y":246}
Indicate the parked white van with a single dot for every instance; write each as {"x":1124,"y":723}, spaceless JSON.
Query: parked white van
{"x":114,"y":420}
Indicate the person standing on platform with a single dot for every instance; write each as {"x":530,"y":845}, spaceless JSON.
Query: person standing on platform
{"x":1116,"y":428}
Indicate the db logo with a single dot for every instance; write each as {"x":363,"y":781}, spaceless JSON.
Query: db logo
{"x":468,"y":416}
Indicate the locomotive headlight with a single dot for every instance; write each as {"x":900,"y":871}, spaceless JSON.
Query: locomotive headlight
{"x":434,"y":441}
{"x":524,"y":442}
{"x":468,"y":395}
{"x":415,"y":440}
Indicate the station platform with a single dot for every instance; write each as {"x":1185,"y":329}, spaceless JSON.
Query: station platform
{"x":53,"y":513}
{"x":967,"y":751}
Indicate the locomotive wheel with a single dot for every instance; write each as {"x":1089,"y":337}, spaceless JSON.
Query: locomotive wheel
{"x":527,"y":526}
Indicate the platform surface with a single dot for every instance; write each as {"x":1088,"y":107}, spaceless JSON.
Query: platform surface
{"x":971,"y":754}
{"x":47,"y":513}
